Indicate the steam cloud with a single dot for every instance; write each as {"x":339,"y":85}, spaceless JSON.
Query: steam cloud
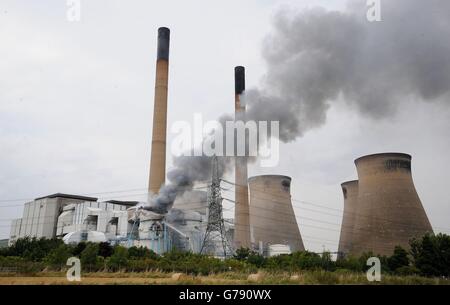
{"x":316,"y":57}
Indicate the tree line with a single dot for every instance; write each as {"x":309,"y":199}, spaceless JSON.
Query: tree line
{"x":427,"y":256}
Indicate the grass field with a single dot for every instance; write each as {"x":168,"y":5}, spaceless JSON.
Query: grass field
{"x":158,"y":278}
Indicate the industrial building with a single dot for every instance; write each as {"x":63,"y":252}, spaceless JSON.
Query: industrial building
{"x":388,"y":210}
{"x":72,"y":217}
{"x":381,"y":209}
{"x":263,"y":221}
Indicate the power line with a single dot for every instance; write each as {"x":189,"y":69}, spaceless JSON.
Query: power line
{"x":338,"y":210}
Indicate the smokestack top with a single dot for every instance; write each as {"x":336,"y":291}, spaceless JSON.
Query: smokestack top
{"x":269,"y":177}
{"x":163,"y":43}
{"x":239,"y":79}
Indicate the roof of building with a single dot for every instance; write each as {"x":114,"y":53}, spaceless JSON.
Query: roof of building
{"x":67,"y":196}
{"x":126,"y":203}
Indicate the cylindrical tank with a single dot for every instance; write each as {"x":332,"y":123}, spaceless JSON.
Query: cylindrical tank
{"x":272,"y":218}
{"x":350,"y":192}
{"x":389,"y":211}
{"x":275,"y":250}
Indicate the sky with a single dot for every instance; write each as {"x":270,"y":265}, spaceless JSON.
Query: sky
{"x":76,"y":106}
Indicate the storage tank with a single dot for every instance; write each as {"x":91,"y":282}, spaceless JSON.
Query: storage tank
{"x":350,"y":193}
{"x":275,"y":250}
{"x":272,"y":218}
{"x":389,"y":211}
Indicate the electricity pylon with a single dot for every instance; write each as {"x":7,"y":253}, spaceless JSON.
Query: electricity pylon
{"x":215,"y":229}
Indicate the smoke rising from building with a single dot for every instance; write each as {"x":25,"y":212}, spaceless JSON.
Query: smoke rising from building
{"x":317,"y":57}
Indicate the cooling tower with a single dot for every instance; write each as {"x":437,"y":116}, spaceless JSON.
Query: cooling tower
{"x":350,"y":192}
{"x":241,"y":213}
{"x":158,"y":154}
{"x":272,"y":216}
{"x":389,"y":210}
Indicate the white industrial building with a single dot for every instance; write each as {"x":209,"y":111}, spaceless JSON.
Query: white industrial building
{"x":58,"y":215}
{"x":78,"y":218}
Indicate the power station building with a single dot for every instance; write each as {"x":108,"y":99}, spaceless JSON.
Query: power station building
{"x":388,"y":210}
{"x":264,"y":221}
{"x":59,"y":215}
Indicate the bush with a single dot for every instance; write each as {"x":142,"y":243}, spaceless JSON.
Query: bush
{"x":105,"y":249}
{"x":141,"y":253}
{"x":407,"y":270}
{"x":78,"y":249}
{"x":141,"y":265}
{"x":235,"y":265}
{"x":431,"y":254}
{"x":33,"y":249}
{"x":306,"y":260}
{"x":21,"y":265}
{"x":57,"y":258}
{"x":399,"y":259}
{"x":350,"y":263}
{"x":89,"y":257}
{"x":119,"y":259}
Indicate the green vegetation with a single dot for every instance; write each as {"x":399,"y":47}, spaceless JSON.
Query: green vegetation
{"x":427,"y":257}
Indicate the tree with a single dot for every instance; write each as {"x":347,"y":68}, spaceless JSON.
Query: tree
{"x":431,"y":254}
{"x":33,"y":249}
{"x":79,"y":249}
{"x":58,"y":257}
{"x":398,"y":259}
{"x":119,"y":259}
{"x":141,"y":252}
{"x":256,"y":259}
{"x":89,"y":256}
{"x":105,"y":249}
{"x":242,"y":254}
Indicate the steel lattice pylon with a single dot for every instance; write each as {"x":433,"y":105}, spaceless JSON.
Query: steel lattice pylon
{"x":215,"y":229}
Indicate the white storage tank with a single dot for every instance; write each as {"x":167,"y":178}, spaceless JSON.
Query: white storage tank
{"x":278,"y":249}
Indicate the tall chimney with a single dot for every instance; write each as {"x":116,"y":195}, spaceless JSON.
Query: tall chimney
{"x":158,"y":156}
{"x":242,"y":210}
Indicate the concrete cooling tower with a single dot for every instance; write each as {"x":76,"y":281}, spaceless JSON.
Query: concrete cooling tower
{"x":350,"y":192}
{"x":272,"y":218}
{"x":389,"y":211}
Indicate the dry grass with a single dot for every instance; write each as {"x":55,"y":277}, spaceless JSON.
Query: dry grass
{"x":229,"y":278}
